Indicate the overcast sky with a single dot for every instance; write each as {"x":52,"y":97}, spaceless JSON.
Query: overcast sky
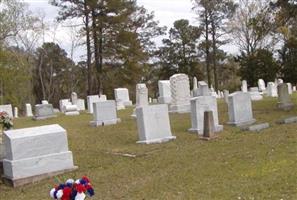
{"x":166,"y":12}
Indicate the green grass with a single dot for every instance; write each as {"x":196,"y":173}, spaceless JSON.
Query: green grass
{"x":237,"y":165}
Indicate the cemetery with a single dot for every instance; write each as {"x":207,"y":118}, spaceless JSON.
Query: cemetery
{"x":148,"y":100}
{"x":120,"y":167}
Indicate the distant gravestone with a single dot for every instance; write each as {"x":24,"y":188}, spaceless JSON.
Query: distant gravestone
{"x":294,"y":88}
{"x":105,"y":113}
{"x":7,"y":108}
{"x":44,"y":102}
{"x":71,"y":110}
{"x":290,"y":88}
{"x":240,"y":109}
{"x":284,"y":99}
{"x":141,"y":96}
{"x":255,"y":94}
{"x":164,"y":92}
{"x":122,"y":94}
{"x":271,"y":89}
{"x":261,"y":85}
{"x":153,"y":124}
{"x":63,"y":103}
{"x":81,"y":104}
{"x":180,"y":93}
{"x":198,"y":106}
{"x":74,"y":98}
{"x":92,"y":99}
{"x":33,"y":154}
{"x":44,"y":111}
{"x":28,"y":110}
{"x":120,"y":105}
{"x":16,"y":112}
{"x":226,"y":95}
{"x":195,"y":84}
{"x":244,"y":87}
{"x":280,"y":81}
{"x":202,"y":90}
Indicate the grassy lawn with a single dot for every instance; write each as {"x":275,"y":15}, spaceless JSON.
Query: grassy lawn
{"x":237,"y":165}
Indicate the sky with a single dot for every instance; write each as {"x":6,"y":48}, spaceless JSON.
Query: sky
{"x":166,"y":12}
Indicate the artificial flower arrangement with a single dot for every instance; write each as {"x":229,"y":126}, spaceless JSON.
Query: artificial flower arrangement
{"x":6,"y":121}
{"x":73,"y":190}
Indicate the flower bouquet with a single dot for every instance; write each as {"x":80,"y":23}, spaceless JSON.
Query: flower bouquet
{"x":73,"y":190}
{"x":5,"y":121}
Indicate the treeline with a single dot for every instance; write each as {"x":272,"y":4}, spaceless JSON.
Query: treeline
{"x":119,"y":40}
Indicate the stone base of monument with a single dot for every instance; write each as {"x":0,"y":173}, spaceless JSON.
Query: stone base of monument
{"x":105,"y":122}
{"x":256,"y":127}
{"x":164,"y":100}
{"x":156,"y":141}
{"x":72,"y":113}
{"x":32,"y":179}
{"x":286,"y":107}
{"x":44,"y":117}
{"x":200,"y":132}
{"x":245,"y":123}
{"x":180,"y":108}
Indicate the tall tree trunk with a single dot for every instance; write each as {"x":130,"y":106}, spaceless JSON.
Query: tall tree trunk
{"x":89,"y":53}
{"x":96,"y":53}
{"x":100,"y":57}
{"x":214,"y":59}
{"x":207,"y":48}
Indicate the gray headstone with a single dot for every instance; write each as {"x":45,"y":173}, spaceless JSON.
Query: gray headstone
{"x":244,"y":87}
{"x":92,"y":99}
{"x":44,"y":111}
{"x":74,"y":98}
{"x":256,"y":127}
{"x":240,"y":109}
{"x":209,"y":129}
{"x":284,"y":99}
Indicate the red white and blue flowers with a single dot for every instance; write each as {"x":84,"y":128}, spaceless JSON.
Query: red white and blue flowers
{"x":73,"y":190}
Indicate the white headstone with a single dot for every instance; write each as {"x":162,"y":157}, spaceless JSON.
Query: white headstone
{"x":63,"y":103}
{"x":294,"y":88}
{"x":240,"y":109}
{"x":164,"y":92}
{"x":122,"y":94}
{"x":44,"y":102}
{"x":198,"y":106}
{"x":153,"y":124}
{"x":44,"y":111}
{"x":29,"y":112}
{"x":141,"y":95}
{"x":290,"y":88}
{"x":120,"y":105}
{"x":102,"y":97}
{"x":74,"y":98}
{"x":261,"y":85}
{"x":71,"y":110}
{"x":195,"y":83}
{"x":244,"y":87}
{"x":7,"y":108}
{"x":255,"y":94}
{"x":81,"y":104}
{"x":280,"y":81}
{"x":271,"y":89}
{"x":37,"y":151}
{"x":92,"y":99}
{"x":202,"y":89}
{"x":16,"y":112}
{"x":105,"y":113}
{"x":180,"y":93}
